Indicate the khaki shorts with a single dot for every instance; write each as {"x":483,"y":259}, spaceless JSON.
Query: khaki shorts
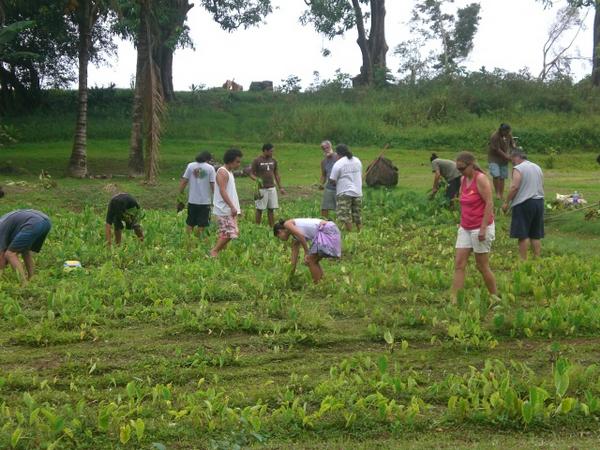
{"x":269,"y":199}
{"x":470,"y":239}
{"x":348,"y":209}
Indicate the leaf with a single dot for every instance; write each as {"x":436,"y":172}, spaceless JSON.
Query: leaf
{"x":382,"y":363}
{"x":404,"y":345}
{"x":389,"y":337}
{"x":15,"y":437}
{"x":158,"y":446}
{"x":125,"y":434}
{"x":139,"y":427}
{"x":527,"y":412}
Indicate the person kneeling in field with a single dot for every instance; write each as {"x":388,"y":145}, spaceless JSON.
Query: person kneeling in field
{"x":477,"y":229}
{"x":225,"y":202}
{"x":323,"y":235}
{"x":21,"y":232}
{"x":123,"y":208}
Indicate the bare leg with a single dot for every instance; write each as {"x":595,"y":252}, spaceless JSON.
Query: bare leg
{"x":15,"y":262}
{"x":258,"y":216}
{"x":118,"y":236}
{"x":460,"y":264}
{"x":348,"y":226}
{"x":139,"y":233}
{"x":271,"y":216}
{"x":189,"y":229}
{"x":482,"y":261}
{"x":198,"y":232}
{"x":501,"y":188}
{"x":536,"y":245}
{"x":315,"y":268}
{"x":523,"y":248}
{"x":325,"y":213}
{"x":220,"y":245}
{"x":29,"y":264}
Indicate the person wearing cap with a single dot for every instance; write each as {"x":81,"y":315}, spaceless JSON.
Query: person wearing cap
{"x":444,"y":168}
{"x":526,"y":198}
{"x":501,"y":143}
{"x":329,"y":159}
{"x":123,"y":208}
{"x":21,"y":232}
{"x":200,"y":177}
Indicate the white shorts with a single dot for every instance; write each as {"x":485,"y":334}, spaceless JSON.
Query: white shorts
{"x":268,"y":200}
{"x":470,"y":239}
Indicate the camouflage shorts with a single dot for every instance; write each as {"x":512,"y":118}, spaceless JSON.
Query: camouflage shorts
{"x":348,"y":209}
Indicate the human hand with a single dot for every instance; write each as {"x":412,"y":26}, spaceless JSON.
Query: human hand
{"x":180,"y":206}
{"x":505,"y":207}
{"x":481,"y":235}
{"x":306,"y":259}
{"x":234,"y":212}
{"x":282,"y":190}
{"x":321,"y":187}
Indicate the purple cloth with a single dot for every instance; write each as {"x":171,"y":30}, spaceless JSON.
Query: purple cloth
{"x":327,"y":242}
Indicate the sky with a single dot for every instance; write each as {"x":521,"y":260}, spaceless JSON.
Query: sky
{"x":511,"y":36}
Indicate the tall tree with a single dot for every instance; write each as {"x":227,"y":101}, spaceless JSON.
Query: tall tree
{"x":595,"y":34}
{"x":335,"y":17}
{"x":87,"y":15}
{"x":455,"y":33}
{"x":230,"y":14}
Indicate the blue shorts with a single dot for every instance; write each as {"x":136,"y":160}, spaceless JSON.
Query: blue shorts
{"x":498,"y":170}
{"x":528,"y":219}
{"x":30,"y":238}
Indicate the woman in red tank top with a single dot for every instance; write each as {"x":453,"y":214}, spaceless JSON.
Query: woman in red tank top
{"x":477,"y":228}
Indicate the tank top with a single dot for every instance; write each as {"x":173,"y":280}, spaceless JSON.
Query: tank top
{"x":220,"y":207}
{"x":472,"y":205}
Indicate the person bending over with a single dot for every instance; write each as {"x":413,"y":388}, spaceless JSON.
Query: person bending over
{"x":123,"y":212}
{"x":318,"y":238}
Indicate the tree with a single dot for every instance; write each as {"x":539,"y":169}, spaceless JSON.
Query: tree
{"x":148,"y":104}
{"x":595,"y":78}
{"x":455,"y":33}
{"x":555,"y":57}
{"x":89,"y":17}
{"x":413,"y":64}
{"x":335,"y":17}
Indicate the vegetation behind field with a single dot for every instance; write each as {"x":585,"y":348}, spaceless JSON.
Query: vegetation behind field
{"x":548,"y":117}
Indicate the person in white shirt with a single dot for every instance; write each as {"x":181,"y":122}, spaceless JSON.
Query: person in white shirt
{"x":319,"y":239}
{"x":226,"y":202}
{"x":200,"y":177}
{"x":346,"y":175}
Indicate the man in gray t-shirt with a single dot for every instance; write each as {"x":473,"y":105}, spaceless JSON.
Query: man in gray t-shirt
{"x":21,"y":232}
{"x":526,"y":198}
{"x":446,"y":169}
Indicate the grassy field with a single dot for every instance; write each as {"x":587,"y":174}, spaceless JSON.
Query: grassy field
{"x":156,"y":346}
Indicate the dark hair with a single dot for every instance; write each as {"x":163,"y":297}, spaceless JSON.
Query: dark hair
{"x":343,"y":150}
{"x":267,"y":146}
{"x":231,"y":154}
{"x":468,"y":158}
{"x":280,"y":225}
{"x":433,"y":156}
{"x":505,"y":127}
{"x":203,"y":156}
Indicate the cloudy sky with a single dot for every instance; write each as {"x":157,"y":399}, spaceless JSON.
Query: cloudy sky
{"x":511,"y":36}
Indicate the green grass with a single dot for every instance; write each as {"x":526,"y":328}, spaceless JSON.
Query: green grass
{"x":214,"y":354}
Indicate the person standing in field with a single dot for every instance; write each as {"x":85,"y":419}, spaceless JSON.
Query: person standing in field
{"x":346,"y":175}
{"x":225,"y":202}
{"x":477,"y":229}
{"x":264,"y":170}
{"x":200,"y":177}
{"x":123,"y":212}
{"x":319,"y":239}
{"x":501,"y":143}
{"x":22,"y":232}
{"x":330,"y":157}
{"x":526,"y":198}
{"x":444,"y":168}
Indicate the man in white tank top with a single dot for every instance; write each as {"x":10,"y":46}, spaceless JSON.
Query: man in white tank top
{"x":226,"y":205}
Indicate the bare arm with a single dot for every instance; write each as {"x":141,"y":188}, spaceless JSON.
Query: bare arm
{"x":29,"y":264}
{"x":323,"y":175}
{"x":485,"y":190}
{"x":108,"y":233}
{"x":278,"y":180}
{"x":292,"y":228}
{"x":436,"y":181}
{"x":182,"y":184}
{"x":212,"y":187}
{"x":13,"y":260}
{"x":295,"y":253}
{"x":222,"y":180}
{"x":514,"y":186}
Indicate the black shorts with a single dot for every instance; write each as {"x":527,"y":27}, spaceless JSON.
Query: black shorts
{"x":198,"y":215}
{"x":528,"y":219}
{"x":453,"y":188}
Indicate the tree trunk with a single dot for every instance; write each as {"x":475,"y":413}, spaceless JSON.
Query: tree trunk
{"x":136,"y":144}
{"x":78,"y":161}
{"x":374,"y":47}
{"x":166,"y":72}
{"x":596,"y":53}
